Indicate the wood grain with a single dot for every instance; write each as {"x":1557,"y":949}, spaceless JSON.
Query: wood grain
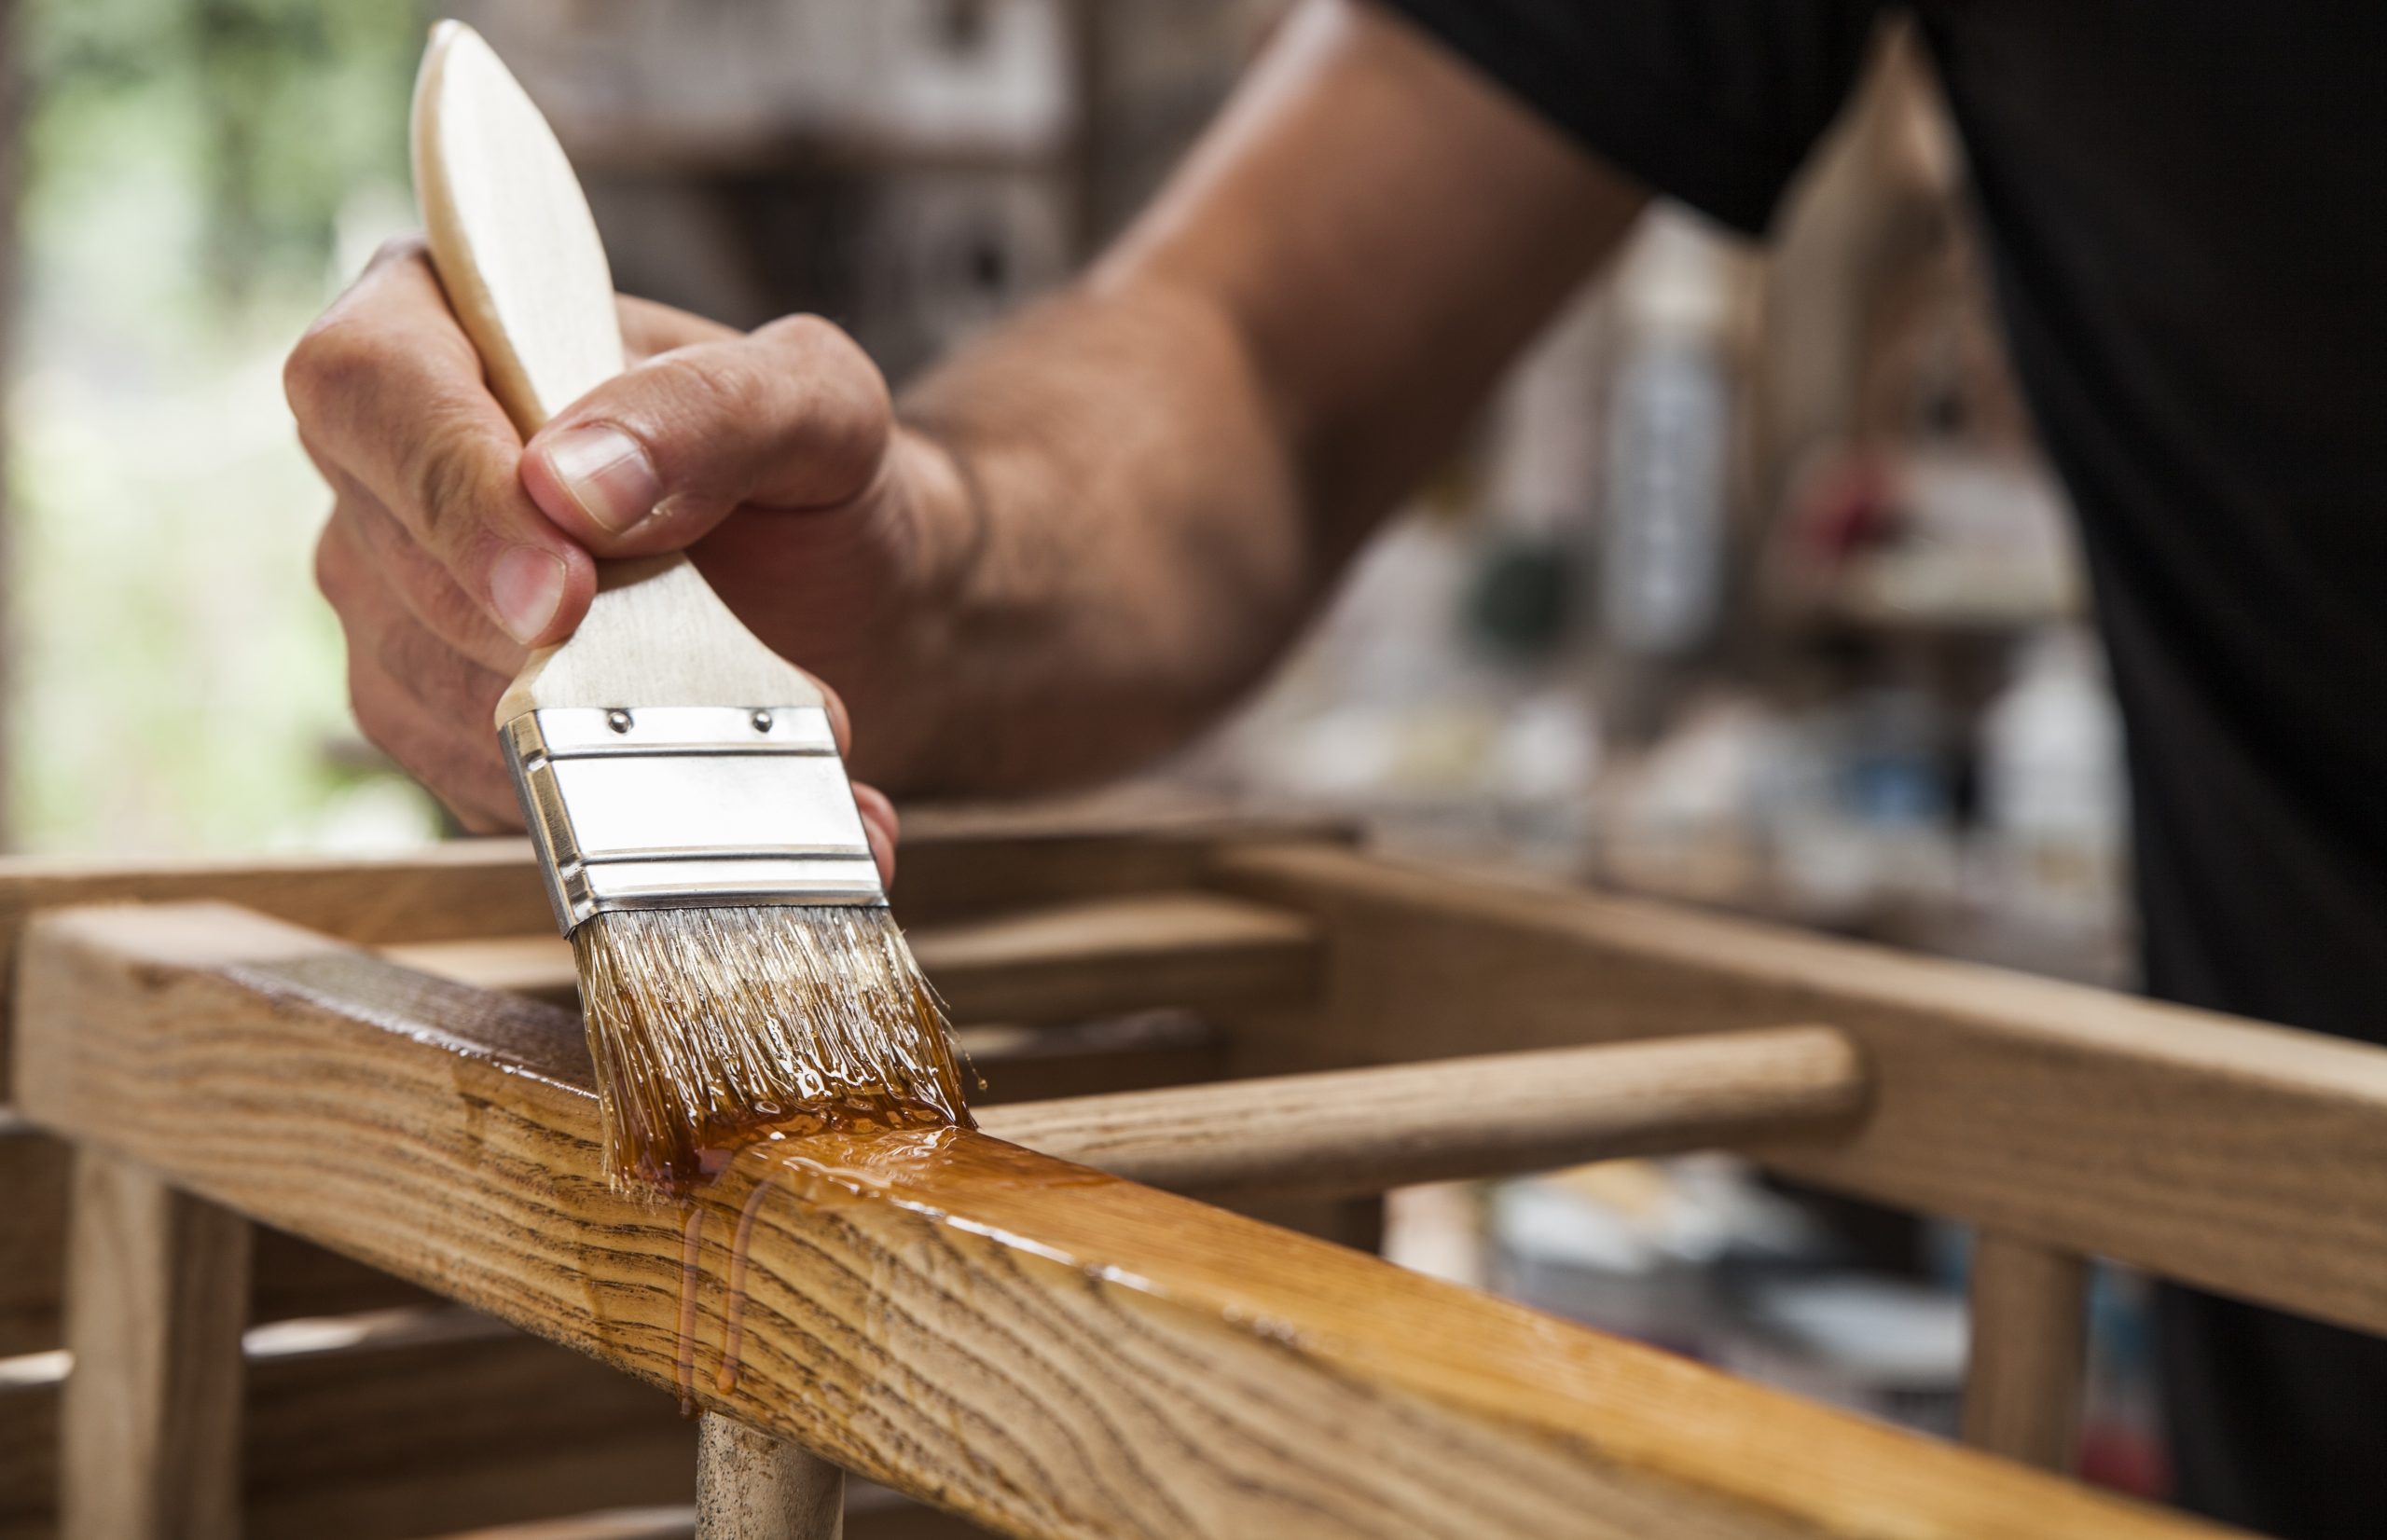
{"x":750,"y":1486}
{"x":149,"y":1445}
{"x":1046,"y":1349}
{"x":291,"y":1277}
{"x":2246,"y":1159}
{"x":1367,"y":1129}
{"x":2024,"y":1379}
{"x":1061,"y":962}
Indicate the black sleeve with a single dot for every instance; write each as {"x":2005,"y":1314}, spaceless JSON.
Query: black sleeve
{"x":1713,"y":101}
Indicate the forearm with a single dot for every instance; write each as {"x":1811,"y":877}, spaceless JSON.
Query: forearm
{"x":1134,"y":547}
{"x":1163,"y":470}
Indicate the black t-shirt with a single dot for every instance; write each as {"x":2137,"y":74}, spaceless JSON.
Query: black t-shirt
{"x":2186,"y":205}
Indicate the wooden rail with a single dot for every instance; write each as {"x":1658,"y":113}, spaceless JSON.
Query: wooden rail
{"x":294,"y":1278}
{"x":2246,"y":1159}
{"x":1048,"y":1350}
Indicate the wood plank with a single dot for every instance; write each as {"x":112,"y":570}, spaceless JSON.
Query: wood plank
{"x":292,"y":1278}
{"x":1061,"y":962}
{"x":2246,"y":1159}
{"x":1365,"y":1131}
{"x":2025,"y":1377}
{"x":751,"y":1486}
{"x":149,"y":1445}
{"x":1046,"y":1349}
{"x":397,"y":1424}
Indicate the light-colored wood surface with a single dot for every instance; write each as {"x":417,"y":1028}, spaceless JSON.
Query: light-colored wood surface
{"x":2025,"y":1376}
{"x":750,"y":1486}
{"x":2246,"y":1159}
{"x":149,"y":1444}
{"x":1051,"y":1351}
{"x":1364,"y":1131}
{"x":1062,"y":962}
{"x":517,"y":253}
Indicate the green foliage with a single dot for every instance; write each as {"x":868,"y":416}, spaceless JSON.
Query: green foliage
{"x":197,"y":171}
{"x":260,"y":117}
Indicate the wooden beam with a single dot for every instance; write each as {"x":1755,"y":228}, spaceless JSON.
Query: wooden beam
{"x":1046,"y":1349}
{"x":2024,"y":1379}
{"x":1062,"y":962}
{"x":291,"y":1277}
{"x":2245,"y":1159}
{"x":150,"y":1440}
{"x":1365,"y":1131}
{"x":750,"y":1486}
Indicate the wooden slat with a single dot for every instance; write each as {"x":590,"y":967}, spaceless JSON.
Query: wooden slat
{"x":2246,"y":1159}
{"x":2024,"y":1378}
{"x":751,"y":1486}
{"x":1063,"y":962}
{"x":292,"y":1277}
{"x":1369,"y":1130}
{"x":149,"y":1443}
{"x":399,"y":1425}
{"x":1047,"y":1349}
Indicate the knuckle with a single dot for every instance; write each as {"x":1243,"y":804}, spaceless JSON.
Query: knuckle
{"x":445,"y":482}
{"x":333,"y":365}
{"x":398,"y":249}
{"x":331,"y":565}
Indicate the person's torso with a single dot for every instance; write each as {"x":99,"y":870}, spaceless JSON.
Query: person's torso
{"x":2187,"y":204}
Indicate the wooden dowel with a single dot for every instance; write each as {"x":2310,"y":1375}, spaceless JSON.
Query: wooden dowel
{"x":157,"y":1296}
{"x":750,"y":1486}
{"x":2023,"y":1382}
{"x":1366,"y":1130}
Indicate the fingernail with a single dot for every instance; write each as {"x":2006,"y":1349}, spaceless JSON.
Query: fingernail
{"x":527,"y":587}
{"x":607,"y":473}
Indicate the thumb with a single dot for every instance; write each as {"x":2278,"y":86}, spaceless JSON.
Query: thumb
{"x":793,"y":416}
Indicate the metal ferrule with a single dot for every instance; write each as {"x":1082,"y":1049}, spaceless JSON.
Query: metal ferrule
{"x":678,"y":806}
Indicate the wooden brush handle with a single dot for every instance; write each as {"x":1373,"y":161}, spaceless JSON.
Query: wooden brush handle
{"x":517,"y":253}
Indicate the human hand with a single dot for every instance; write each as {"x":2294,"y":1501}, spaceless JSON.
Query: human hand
{"x":453,"y":548}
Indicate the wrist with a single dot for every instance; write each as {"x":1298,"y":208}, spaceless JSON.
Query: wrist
{"x":934,"y":520}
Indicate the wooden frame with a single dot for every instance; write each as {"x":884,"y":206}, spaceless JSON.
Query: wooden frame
{"x":1052,"y":1350}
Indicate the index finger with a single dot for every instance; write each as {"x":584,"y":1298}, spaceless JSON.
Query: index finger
{"x":388,"y":386}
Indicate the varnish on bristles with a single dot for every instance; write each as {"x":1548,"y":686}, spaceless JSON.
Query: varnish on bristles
{"x":706,"y":1024}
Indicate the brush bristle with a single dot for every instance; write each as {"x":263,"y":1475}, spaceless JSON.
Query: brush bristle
{"x":707,"y":1024}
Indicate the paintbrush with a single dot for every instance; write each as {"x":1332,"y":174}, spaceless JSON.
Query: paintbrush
{"x":691,"y":815}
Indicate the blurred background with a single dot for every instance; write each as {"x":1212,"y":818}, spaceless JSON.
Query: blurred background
{"x":1750,"y":590}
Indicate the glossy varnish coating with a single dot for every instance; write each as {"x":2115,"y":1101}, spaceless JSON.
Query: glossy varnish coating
{"x":1051,"y":1351}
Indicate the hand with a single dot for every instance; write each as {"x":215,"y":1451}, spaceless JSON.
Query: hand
{"x":453,"y":548}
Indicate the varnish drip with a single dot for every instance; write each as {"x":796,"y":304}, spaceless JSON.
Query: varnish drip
{"x":709,"y":1024}
{"x":691,"y":1252}
{"x":733,"y":1336}
{"x":815,"y":1164}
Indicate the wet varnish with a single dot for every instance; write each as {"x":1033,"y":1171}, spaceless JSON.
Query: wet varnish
{"x":808,"y":1167}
